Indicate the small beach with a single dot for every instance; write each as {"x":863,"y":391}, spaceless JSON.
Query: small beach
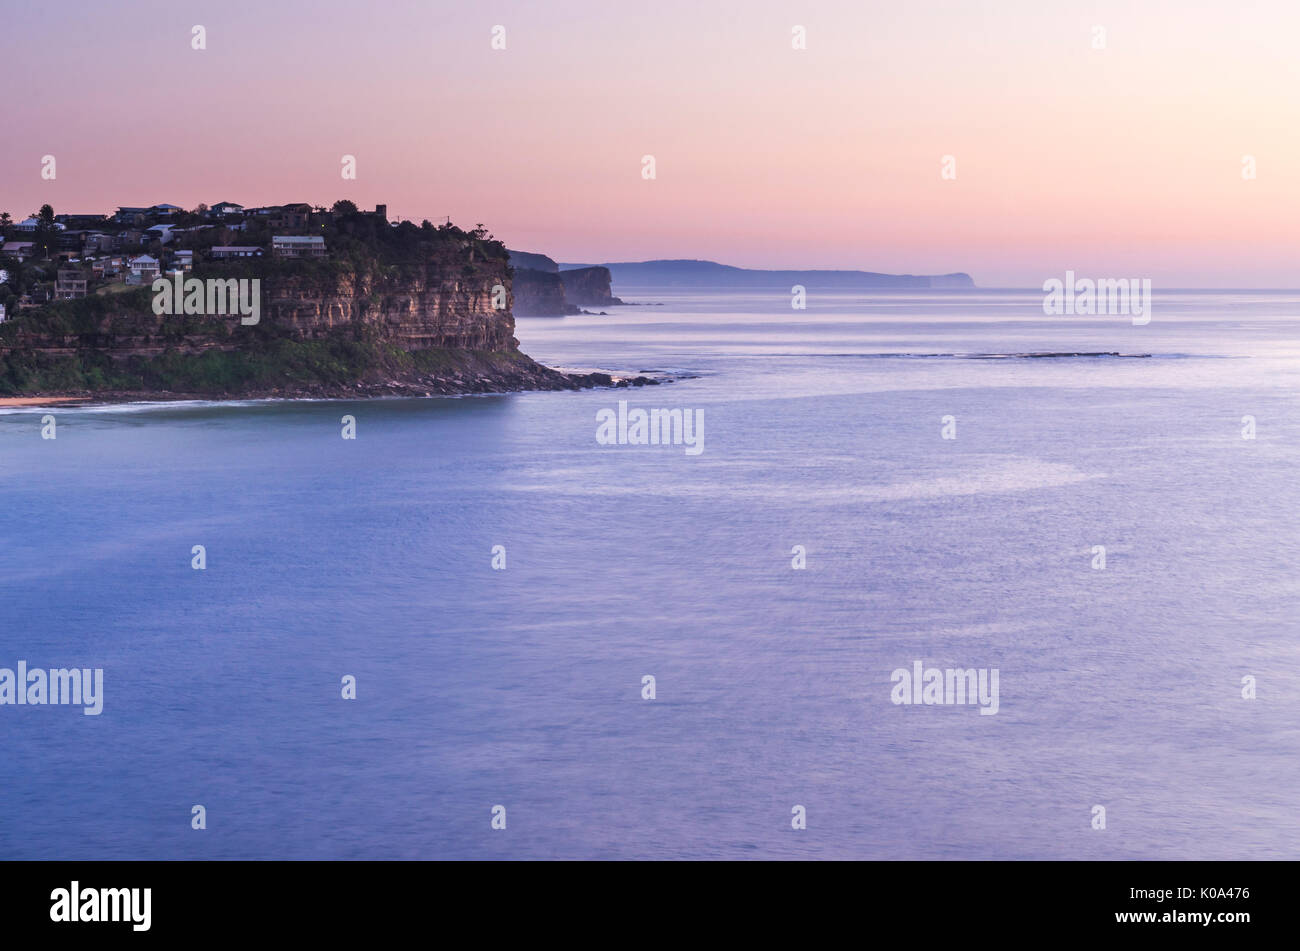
{"x":19,"y":401}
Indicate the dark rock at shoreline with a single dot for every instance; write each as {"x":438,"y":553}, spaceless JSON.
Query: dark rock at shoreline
{"x":441,"y":373}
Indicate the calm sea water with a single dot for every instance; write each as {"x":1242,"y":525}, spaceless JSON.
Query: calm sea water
{"x":372,"y":558}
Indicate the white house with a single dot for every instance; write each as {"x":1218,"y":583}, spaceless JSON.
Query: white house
{"x":30,"y":224}
{"x":144,"y":267}
{"x":162,"y":232}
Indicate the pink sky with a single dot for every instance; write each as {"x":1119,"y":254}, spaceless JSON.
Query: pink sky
{"x":1123,"y":161}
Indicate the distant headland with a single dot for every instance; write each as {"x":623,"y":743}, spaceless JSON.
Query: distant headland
{"x":702,"y":275}
{"x":545,"y":288}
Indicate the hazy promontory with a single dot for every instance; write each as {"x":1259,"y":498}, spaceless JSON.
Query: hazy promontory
{"x":543,"y":290}
{"x":710,"y":275}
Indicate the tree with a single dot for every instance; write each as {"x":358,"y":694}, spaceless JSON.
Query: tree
{"x":344,"y":207}
{"x":45,"y":241}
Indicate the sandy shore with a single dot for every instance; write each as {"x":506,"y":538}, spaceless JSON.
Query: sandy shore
{"x":40,"y":400}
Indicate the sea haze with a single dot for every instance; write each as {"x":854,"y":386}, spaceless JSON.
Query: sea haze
{"x":328,"y":557}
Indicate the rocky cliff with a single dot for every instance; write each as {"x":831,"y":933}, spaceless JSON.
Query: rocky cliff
{"x":416,"y":310}
{"x":421,"y":308}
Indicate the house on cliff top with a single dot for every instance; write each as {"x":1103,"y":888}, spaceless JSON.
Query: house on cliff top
{"x":143,"y":269}
{"x":298,"y":246}
{"x":220,"y":252}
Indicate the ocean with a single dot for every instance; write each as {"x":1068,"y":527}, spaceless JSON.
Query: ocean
{"x":1163,"y":687}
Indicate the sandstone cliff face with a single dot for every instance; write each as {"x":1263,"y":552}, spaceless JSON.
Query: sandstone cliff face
{"x":421,"y":309}
{"x":415,"y":307}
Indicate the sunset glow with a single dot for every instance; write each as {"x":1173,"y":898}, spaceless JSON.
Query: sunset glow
{"x":1126,"y":159}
